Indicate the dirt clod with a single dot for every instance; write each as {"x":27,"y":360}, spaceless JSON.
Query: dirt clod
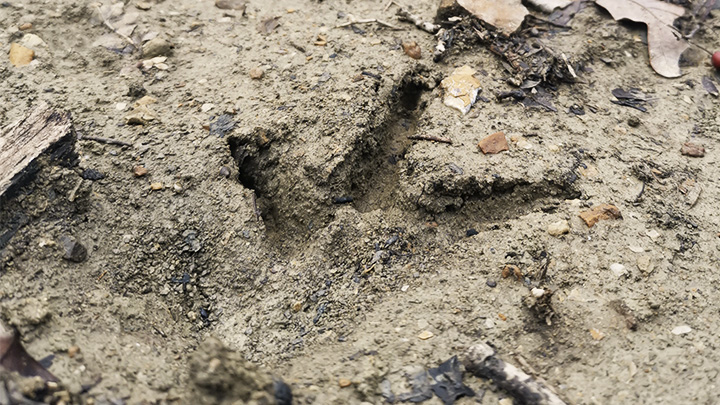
{"x":600,"y":212}
{"x":692,"y":149}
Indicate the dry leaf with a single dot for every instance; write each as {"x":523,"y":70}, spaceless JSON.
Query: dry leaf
{"x":665,"y":44}
{"x":13,"y":357}
{"x":505,"y":15}
{"x":549,"y":5}
{"x":268,"y":25}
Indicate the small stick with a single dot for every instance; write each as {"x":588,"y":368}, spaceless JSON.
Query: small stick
{"x":102,"y":275}
{"x":430,"y":138}
{"x":406,"y":15}
{"x":104,"y":140}
{"x":482,"y":361}
{"x":368,"y":20}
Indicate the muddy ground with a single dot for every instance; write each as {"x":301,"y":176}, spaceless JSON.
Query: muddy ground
{"x":241,"y":240}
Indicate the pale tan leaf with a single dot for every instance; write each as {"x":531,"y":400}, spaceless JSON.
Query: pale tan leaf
{"x":665,"y":44}
{"x":505,"y":15}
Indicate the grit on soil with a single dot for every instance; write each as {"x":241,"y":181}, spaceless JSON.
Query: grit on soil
{"x":260,"y":257}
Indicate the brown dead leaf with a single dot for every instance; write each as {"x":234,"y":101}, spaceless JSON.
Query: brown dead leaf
{"x":506,"y":15}
{"x":665,"y":44}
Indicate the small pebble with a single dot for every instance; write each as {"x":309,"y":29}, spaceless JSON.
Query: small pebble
{"x":73,"y":351}
{"x":425,"y":335}
{"x":74,"y":251}
{"x":692,"y":150}
{"x":224,"y":171}
{"x":412,"y":49}
{"x":681,"y":330}
{"x":491,"y":283}
{"x":471,"y":232}
{"x":156,"y":47}
{"x":344,"y":382}
{"x":256,"y":73}
{"x":140,"y":171}
{"x":156,"y":186}
{"x":558,"y":228}
{"x":25,"y":27}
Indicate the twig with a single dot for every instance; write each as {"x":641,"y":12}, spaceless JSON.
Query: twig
{"x":107,"y":24}
{"x":482,"y":361}
{"x":366,"y":21}
{"x":430,"y":138}
{"x":103,"y":140}
{"x":406,"y":15}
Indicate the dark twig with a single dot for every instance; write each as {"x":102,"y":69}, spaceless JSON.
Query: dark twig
{"x":430,"y":138}
{"x":103,"y":140}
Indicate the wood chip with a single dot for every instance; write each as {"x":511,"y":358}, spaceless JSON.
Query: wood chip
{"x":23,"y":141}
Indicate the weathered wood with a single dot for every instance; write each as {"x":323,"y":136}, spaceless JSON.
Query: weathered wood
{"x":482,"y":361}
{"x":44,"y":129}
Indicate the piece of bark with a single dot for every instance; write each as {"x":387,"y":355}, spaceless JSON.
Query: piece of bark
{"x":44,"y":129}
{"x":482,"y":361}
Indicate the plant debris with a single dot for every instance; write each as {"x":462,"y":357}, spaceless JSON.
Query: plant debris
{"x":506,"y":16}
{"x":633,"y":98}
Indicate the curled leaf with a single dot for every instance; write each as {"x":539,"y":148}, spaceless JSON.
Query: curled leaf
{"x":665,"y":44}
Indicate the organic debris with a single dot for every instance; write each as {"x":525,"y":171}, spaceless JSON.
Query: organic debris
{"x":448,"y":384}
{"x":709,"y":86}
{"x":633,"y":98}
{"x":665,"y":43}
{"x":461,"y":89}
{"x":506,"y":16}
{"x":539,"y":302}
{"x":482,"y":361}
